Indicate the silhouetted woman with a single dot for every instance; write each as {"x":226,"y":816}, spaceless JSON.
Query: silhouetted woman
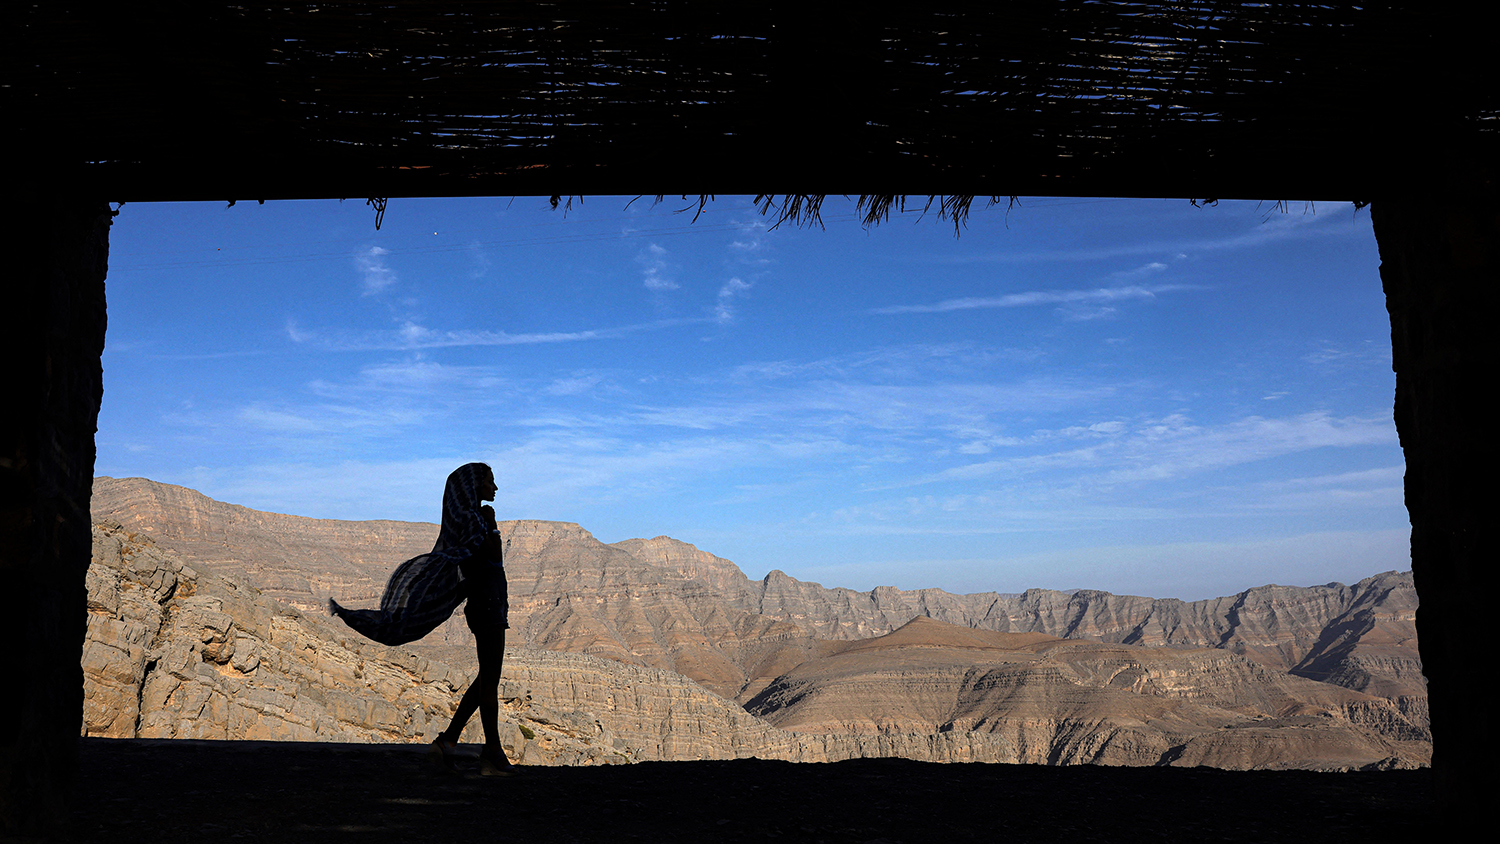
{"x":466,"y":562}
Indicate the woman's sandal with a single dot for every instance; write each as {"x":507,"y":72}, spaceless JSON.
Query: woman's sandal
{"x":490,"y":766}
{"x":441,"y":753}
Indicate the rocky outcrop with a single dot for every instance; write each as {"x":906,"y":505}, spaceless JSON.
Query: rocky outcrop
{"x":640,"y":648}
{"x":665,"y":604}
{"x":173,"y":652}
{"x":1045,"y":700}
{"x":298,"y":561}
{"x":177,"y":653}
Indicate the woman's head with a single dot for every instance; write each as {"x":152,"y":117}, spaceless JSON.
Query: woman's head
{"x":472,"y":483}
{"x":486,"y":482}
{"x":467,"y":485}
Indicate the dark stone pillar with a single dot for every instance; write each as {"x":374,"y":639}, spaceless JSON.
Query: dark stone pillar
{"x":56,"y":253}
{"x":1440,"y":265}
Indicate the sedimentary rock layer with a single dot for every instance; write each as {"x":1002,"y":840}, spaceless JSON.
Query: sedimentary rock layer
{"x":1070,"y":701}
{"x":645,"y":644}
{"x":666,"y":604}
{"x":173,"y":652}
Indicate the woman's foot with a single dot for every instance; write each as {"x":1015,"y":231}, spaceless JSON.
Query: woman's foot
{"x":492,"y":763}
{"x":441,"y":752}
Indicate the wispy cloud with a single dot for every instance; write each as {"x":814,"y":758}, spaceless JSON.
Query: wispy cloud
{"x":1143,"y":270}
{"x":654,"y":269}
{"x":749,"y":249}
{"x":1384,"y":476}
{"x":1174,"y":447}
{"x":923,"y":361}
{"x":380,"y":381}
{"x":1331,"y":357}
{"x":724,"y":308}
{"x":1038,"y":297}
{"x":479,"y":260}
{"x":575,"y":385}
{"x":1277,"y":226}
{"x":337,"y":419}
{"x":411,"y":336}
{"x":376,"y":275}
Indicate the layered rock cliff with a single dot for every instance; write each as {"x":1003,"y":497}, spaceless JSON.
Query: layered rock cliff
{"x":650,"y":641}
{"x":1067,"y":701}
{"x":666,"y":604}
{"x":172,"y":652}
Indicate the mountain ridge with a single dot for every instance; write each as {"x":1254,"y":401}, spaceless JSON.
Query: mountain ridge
{"x":1324,"y":676}
{"x":723,"y":623}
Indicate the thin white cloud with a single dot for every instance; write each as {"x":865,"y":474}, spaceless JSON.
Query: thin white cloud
{"x":573,"y":386}
{"x":882,"y":413}
{"x":1084,"y":313}
{"x":724,"y":308}
{"x":479,"y":260}
{"x":1144,"y":270}
{"x":376,"y":275}
{"x":1331,"y":357}
{"x":750,"y":248}
{"x":339,"y":419}
{"x":1277,"y":227}
{"x":1038,"y":297}
{"x":1173,"y":447}
{"x":1178,"y":449}
{"x":654,"y":269}
{"x":425,"y":378}
{"x":923,"y":361}
{"x":1384,"y":476}
{"x":412,"y":336}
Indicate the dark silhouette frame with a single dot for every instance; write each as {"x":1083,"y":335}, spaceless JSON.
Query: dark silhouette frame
{"x":1383,"y":103}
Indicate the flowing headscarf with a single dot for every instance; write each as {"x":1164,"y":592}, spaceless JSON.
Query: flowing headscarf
{"x":423,"y":591}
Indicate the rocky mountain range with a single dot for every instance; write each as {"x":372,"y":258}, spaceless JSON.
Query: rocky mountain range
{"x":658,"y":645}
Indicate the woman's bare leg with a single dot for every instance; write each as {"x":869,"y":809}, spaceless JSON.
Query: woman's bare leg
{"x":491,"y":655}
{"x":483,"y":693}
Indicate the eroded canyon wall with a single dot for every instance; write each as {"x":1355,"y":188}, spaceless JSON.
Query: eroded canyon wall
{"x":665,"y":604}
{"x":638,"y":634}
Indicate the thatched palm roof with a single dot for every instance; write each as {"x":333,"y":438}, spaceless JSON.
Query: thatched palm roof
{"x":193,"y":99}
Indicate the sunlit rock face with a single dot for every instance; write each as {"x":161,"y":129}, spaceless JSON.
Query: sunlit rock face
{"x":1069,"y":701}
{"x":173,"y":652}
{"x":654,"y":639}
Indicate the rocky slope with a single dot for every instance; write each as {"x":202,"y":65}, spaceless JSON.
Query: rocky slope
{"x":1070,"y":701}
{"x":665,"y":604}
{"x":673,"y":611}
{"x":172,"y":652}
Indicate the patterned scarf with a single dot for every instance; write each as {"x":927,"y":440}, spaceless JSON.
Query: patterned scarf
{"x":425,"y":590}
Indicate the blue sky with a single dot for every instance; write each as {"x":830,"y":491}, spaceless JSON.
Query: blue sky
{"x":1139,"y":396}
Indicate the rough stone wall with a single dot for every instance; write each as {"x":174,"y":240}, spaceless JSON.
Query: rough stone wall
{"x":665,"y":604}
{"x":53,"y":336}
{"x":1440,"y":265}
{"x":177,"y":652}
{"x":173,"y":652}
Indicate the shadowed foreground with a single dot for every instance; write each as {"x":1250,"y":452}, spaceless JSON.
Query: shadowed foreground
{"x":200,"y":791}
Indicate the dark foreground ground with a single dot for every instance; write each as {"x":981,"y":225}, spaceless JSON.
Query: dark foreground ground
{"x":198,"y":791}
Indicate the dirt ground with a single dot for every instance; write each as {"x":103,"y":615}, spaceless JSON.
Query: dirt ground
{"x":199,"y":791}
